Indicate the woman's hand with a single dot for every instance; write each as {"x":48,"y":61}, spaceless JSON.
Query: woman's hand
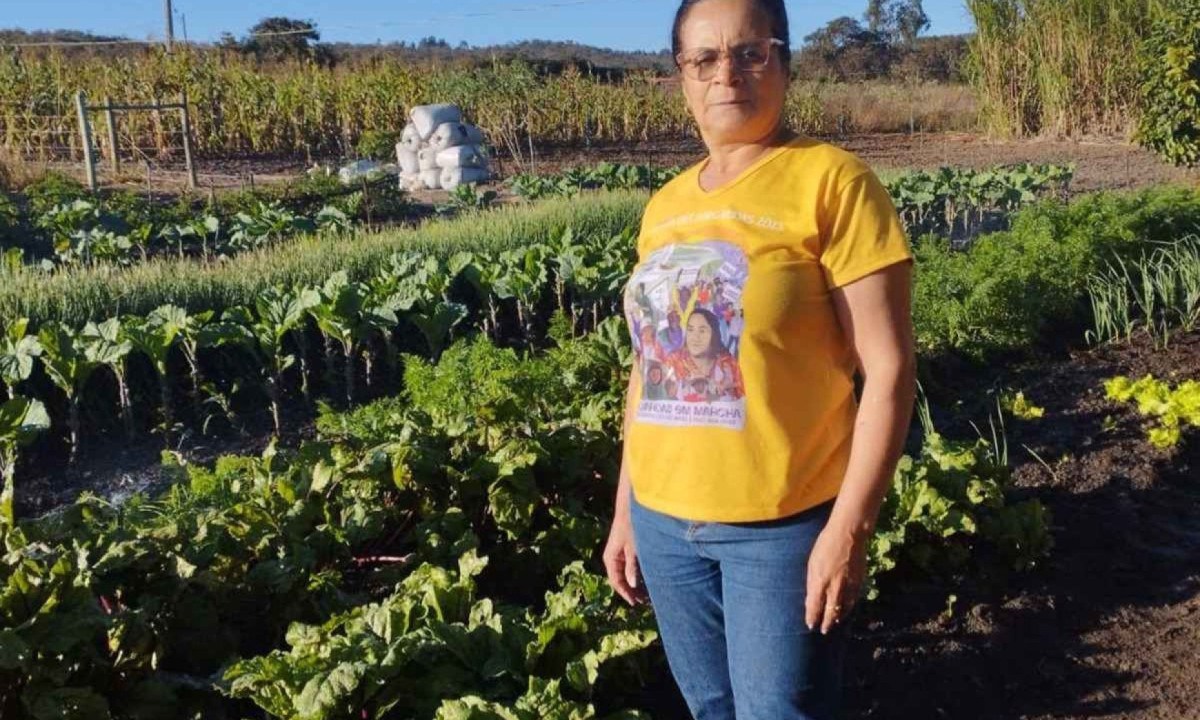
{"x":620,"y":559}
{"x":837,"y":568}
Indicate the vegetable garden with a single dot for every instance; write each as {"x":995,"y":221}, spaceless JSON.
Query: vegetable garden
{"x":429,"y":548}
{"x":384,"y":435}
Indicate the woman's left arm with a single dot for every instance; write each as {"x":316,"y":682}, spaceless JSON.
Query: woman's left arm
{"x":876,"y":317}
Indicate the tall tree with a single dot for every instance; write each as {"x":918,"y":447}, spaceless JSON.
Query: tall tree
{"x":876,"y":16}
{"x":281,"y":38}
{"x":910,"y":20}
{"x":900,"y":21}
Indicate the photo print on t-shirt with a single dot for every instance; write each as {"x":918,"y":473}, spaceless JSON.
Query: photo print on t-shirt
{"x":684,"y":309}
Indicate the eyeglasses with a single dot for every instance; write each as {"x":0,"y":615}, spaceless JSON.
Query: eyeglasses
{"x":702,"y":63}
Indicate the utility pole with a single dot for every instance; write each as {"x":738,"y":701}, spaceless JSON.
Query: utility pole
{"x":170,"y":24}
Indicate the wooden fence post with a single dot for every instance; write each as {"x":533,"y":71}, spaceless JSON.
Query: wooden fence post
{"x":114,"y":158}
{"x":85,"y":133}
{"x":187,"y":141}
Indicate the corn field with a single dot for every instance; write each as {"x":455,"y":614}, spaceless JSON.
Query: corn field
{"x":1057,"y":67}
{"x":242,"y":107}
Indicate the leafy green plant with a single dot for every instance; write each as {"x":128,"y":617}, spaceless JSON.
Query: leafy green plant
{"x":419,"y":287}
{"x":154,"y":336}
{"x":18,"y":352}
{"x":81,"y":234}
{"x":200,"y":228}
{"x":267,"y":223}
{"x":276,"y":314}
{"x":1020,"y":407}
{"x":73,"y":295}
{"x":1169,"y":84}
{"x":53,"y":630}
{"x":603,"y":176}
{"x":377,"y":144}
{"x":106,"y":344}
{"x":69,"y":361}
{"x":957,"y":201}
{"x":523,"y":278}
{"x":1012,"y":289}
{"x":1171,"y":410}
{"x":945,"y":505}
{"x":467,"y":197}
{"x":344,"y":313}
{"x":21,"y":419}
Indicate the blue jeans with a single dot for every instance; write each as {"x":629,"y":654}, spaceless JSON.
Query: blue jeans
{"x":729,"y":600}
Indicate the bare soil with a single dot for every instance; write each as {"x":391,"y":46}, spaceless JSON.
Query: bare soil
{"x":1101,"y":163}
{"x":1109,"y":625}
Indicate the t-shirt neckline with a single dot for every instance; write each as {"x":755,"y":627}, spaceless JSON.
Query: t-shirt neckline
{"x":737,"y":180}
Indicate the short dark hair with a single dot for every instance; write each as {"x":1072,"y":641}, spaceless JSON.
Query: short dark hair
{"x":775,"y":11}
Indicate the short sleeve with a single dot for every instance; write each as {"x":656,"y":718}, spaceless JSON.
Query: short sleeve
{"x":861,"y":231}
{"x":643,"y":224}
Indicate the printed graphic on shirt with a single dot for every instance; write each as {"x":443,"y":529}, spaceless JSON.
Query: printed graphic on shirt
{"x":684,"y":308}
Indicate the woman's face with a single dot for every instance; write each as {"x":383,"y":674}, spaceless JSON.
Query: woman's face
{"x":699,"y":336}
{"x":734,"y":106}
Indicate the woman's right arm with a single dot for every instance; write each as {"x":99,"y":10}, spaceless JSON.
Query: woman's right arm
{"x":620,"y":555}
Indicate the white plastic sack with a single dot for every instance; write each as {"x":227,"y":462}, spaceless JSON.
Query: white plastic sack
{"x":357,"y":170}
{"x":431,"y":179}
{"x":461,"y":156}
{"x":427,"y":158}
{"x":409,"y":137}
{"x":412,"y":181}
{"x":453,"y":177}
{"x":407,"y":160}
{"x":427,"y":118}
{"x":448,"y":135}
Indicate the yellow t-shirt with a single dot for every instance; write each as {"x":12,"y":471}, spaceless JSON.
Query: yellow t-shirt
{"x":744,"y":380}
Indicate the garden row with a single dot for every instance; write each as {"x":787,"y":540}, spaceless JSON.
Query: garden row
{"x":55,"y":222}
{"x":956,"y":202}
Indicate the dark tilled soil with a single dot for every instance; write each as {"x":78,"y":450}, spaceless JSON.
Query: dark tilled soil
{"x":1101,"y":163}
{"x":114,"y":467}
{"x":1109,"y":626}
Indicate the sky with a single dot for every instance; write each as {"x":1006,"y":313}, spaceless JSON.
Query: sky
{"x":618,"y":24}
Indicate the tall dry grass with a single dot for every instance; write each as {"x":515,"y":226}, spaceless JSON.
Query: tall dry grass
{"x":880,"y":107}
{"x":1057,"y":67}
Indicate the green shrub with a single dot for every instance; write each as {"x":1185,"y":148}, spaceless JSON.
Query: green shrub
{"x":10,"y":221}
{"x":1170,"y":84}
{"x":378,"y":145}
{"x":51,"y":190}
{"x":1011,"y":289}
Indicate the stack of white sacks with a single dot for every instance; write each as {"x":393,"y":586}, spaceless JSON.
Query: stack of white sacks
{"x":438,"y":150}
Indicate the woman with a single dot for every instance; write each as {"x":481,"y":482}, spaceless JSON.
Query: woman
{"x":703,"y":357}
{"x":749,"y":521}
